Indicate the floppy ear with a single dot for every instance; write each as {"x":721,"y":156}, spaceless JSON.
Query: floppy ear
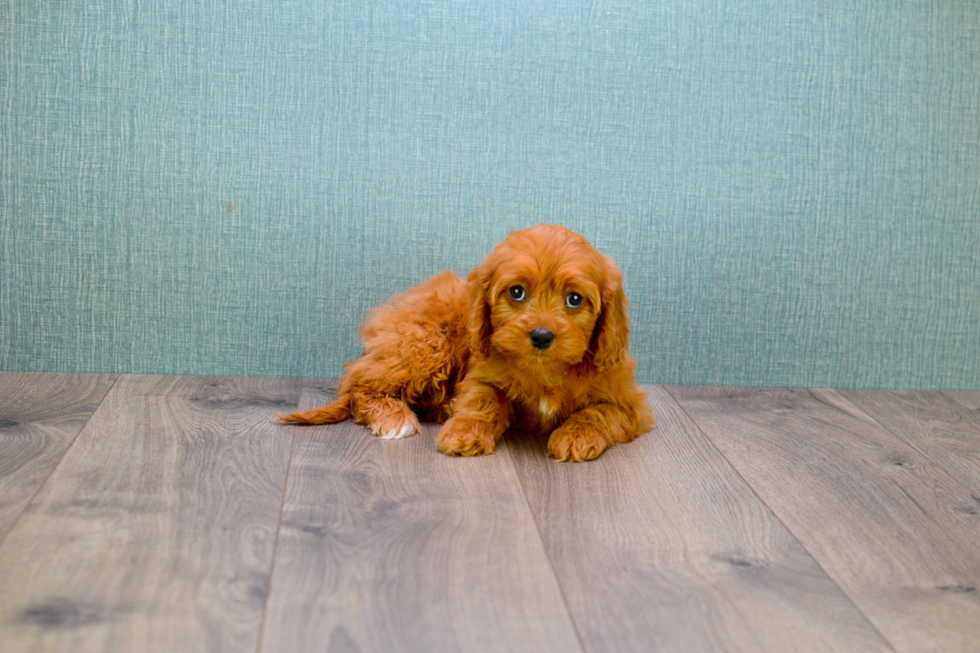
{"x":610,"y":339}
{"x":479,"y":321}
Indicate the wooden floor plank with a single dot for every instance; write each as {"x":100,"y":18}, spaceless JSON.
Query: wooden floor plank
{"x":392,"y":546}
{"x":966,"y":398}
{"x":659,"y":545}
{"x":887,"y":524}
{"x":933,"y":423}
{"x":40,"y":415}
{"x":156,"y":531}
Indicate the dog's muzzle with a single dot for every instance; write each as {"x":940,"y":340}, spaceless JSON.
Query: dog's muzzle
{"x":542,"y":338}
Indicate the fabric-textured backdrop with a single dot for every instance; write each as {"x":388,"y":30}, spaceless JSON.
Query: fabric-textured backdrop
{"x":225,"y":186}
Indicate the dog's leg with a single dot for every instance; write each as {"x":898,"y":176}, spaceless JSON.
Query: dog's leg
{"x":481,"y":414}
{"x":388,"y":417}
{"x":590,"y":431}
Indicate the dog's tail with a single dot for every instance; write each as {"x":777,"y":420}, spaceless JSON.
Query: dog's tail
{"x":338,"y":411}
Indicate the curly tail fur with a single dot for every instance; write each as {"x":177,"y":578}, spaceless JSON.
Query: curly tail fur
{"x":338,"y":411}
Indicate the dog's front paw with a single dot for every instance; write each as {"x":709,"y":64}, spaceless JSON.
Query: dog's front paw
{"x":466,"y":437}
{"x":576,"y":444}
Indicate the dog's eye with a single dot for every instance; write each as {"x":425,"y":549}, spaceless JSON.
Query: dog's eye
{"x":573,"y":300}
{"x":517,"y":294}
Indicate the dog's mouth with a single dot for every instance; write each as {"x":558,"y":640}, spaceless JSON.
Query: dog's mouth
{"x":522,"y":358}
{"x":552,"y":357}
{"x":553,"y":350}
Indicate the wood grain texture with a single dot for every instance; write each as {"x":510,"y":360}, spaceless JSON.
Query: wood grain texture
{"x":966,"y":398}
{"x":40,"y":415}
{"x":895,"y":532}
{"x":392,"y":546}
{"x":934,"y":424}
{"x":156,"y":532}
{"x":659,"y":545}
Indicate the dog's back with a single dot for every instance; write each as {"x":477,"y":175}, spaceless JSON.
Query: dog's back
{"x":416,"y":347}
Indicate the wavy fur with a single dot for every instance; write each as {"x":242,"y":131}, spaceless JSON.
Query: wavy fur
{"x":460,"y":353}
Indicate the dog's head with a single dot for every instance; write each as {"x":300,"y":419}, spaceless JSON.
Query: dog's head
{"x":546,"y":297}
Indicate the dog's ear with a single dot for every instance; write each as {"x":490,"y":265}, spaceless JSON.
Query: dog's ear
{"x":610,"y":339}
{"x":479,"y":322}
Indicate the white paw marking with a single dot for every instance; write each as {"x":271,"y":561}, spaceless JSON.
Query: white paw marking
{"x":397,"y":433}
{"x":547,"y":408}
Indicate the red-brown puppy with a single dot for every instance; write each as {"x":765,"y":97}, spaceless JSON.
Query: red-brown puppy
{"x":535,"y":339}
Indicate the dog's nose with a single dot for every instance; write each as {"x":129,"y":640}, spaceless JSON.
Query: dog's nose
{"x":542,"y":338}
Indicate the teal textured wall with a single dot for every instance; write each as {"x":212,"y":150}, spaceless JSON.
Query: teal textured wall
{"x":792,"y":189}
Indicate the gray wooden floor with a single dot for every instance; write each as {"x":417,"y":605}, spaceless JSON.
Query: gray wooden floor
{"x":166,"y":513}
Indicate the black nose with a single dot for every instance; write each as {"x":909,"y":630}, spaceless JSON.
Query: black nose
{"x":542,"y":338}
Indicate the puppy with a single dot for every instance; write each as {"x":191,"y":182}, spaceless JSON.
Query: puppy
{"x":534,"y":339}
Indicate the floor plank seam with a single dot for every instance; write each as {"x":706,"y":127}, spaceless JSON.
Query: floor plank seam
{"x":13,"y":524}
{"x":850,"y":600}
{"x":551,"y":564}
{"x":275,"y":546}
{"x":939,"y":466}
